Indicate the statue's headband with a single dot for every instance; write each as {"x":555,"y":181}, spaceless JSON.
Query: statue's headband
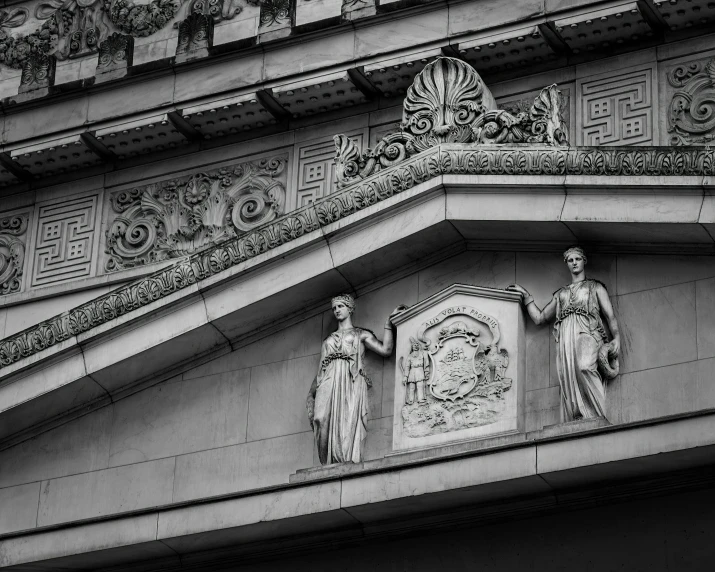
{"x":575,"y":250}
{"x":346,"y":299}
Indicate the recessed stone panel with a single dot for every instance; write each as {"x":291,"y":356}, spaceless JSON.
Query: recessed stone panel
{"x":18,"y":507}
{"x":180,"y":417}
{"x":460,"y":368}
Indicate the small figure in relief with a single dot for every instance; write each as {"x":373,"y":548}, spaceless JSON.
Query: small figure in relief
{"x":415,"y":372}
{"x":338,"y":402}
{"x":585,"y":356}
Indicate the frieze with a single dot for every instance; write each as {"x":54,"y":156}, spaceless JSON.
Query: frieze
{"x":177,"y":217}
{"x":441,"y":160}
{"x":13,"y":235}
{"x":691,"y":114}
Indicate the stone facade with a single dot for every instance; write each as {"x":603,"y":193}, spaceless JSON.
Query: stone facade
{"x":184,"y":187}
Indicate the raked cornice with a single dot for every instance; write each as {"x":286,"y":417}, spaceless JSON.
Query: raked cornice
{"x":443,"y":159}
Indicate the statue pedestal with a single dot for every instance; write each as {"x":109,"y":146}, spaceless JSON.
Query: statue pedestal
{"x":460,"y":370}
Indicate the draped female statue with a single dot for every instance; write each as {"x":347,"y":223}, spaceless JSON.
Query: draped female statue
{"x":585,"y":359}
{"x":338,"y":401}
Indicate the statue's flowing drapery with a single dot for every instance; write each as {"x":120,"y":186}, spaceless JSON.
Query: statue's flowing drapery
{"x":341,"y":401}
{"x":580,"y":334}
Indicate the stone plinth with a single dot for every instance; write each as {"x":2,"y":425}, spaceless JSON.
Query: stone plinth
{"x":460,"y":370}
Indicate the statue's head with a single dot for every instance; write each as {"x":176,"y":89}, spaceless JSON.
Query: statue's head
{"x":575,"y":259}
{"x":343,"y":300}
{"x":414,"y":344}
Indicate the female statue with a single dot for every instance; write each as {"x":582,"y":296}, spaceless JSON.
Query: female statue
{"x":583,"y":349}
{"x":337,"y":402}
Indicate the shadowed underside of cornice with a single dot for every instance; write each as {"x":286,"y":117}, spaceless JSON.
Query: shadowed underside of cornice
{"x":446,"y":159}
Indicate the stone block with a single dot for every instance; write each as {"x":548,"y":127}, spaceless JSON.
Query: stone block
{"x":277,"y":398}
{"x":537,"y":356}
{"x":471,"y":358}
{"x":310,"y":55}
{"x":491,"y":13}
{"x":237,"y":29}
{"x":131,"y":98}
{"x":412,"y":30}
{"x":544,"y":206}
{"x":657,"y":327}
{"x":645,"y":208}
{"x":107,"y":492}
{"x":379,"y":438}
{"x":363,"y":497}
{"x":705,"y":304}
{"x":486,"y":269}
{"x":179,"y":417}
{"x":299,"y":340}
{"x":79,"y":446}
{"x":145,"y":52}
{"x":237,"y":513}
{"x":218,"y":77}
{"x":643,"y":272}
{"x":94,"y":541}
{"x":241,"y":467}
{"x":45,"y":119}
{"x":669,"y":390}
{"x":310,"y":11}
{"x":18,"y":507}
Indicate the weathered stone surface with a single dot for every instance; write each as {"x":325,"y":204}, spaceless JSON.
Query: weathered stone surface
{"x":705,"y":304}
{"x":658,"y":327}
{"x":299,"y":340}
{"x":19,"y":507}
{"x":486,"y":269}
{"x":638,"y":272}
{"x":178,"y":417}
{"x":277,"y":399}
{"x":79,"y":446}
{"x":242,"y":467}
{"x":543,"y":407}
{"x":110,"y":491}
{"x":668,"y":390}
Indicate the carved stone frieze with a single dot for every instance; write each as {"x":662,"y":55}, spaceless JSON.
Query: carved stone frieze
{"x":177,"y":217}
{"x":691,"y":114}
{"x":38,"y":72}
{"x":449,"y":103}
{"x":441,"y":160}
{"x":74,"y":28}
{"x":13,"y":231}
{"x":115,"y":52}
{"x":195,"y":36}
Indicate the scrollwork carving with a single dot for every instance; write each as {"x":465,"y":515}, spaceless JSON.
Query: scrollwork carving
{"x":691,"y":115}
{"x":275,"y":12}
{"x":12,"y":252}
{"x":115,"y":52}
{"x":449,"y":103}
{"x":180,"y":216}
{"x":195,"y":33}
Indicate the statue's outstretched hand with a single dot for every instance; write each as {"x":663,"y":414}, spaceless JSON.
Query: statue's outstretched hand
{"x":517,"y":288}
{"x":401,"y":308}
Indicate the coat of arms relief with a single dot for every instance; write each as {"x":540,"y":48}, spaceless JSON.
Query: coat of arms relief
{"x":454,"y":378}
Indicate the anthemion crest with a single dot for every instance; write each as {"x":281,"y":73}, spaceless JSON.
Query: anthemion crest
{"x":458,"y":373}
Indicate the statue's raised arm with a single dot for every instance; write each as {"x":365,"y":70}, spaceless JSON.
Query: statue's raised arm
{"x":586,"y":358}
{"x":338,"y":399}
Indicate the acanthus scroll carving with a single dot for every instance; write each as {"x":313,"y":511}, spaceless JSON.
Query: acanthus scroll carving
{"x":449,"y":103}
{"x":12,"y":252}
{"x":691,"y":115}
{"x":180,"y":216}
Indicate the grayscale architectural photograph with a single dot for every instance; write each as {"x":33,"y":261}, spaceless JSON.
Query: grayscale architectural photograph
{"x":357,"y":285}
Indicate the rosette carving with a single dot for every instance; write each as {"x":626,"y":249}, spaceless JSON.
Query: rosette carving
{"x":449,"y":103}
{"x":691,"y":115}
{"x":180,"y":216}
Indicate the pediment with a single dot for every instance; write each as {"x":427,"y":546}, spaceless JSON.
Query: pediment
{"x":445,"y":179}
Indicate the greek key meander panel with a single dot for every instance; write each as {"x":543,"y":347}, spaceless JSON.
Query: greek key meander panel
{"x":64,"y":241}
{"x":315,"y":170}
{"x":617,"y":109}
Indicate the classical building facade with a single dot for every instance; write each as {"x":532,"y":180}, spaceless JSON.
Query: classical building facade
{"x":324,"y":284}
